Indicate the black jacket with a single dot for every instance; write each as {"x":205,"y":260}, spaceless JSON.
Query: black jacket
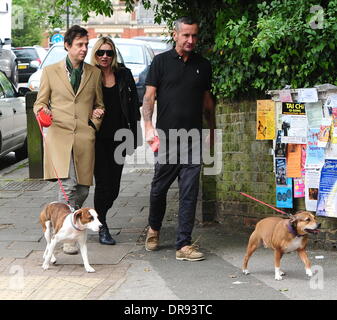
{"x":129,"y":103}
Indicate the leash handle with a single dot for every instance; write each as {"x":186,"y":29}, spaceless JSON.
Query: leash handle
{"x":58,"y":179}
{"x":266,"y":204}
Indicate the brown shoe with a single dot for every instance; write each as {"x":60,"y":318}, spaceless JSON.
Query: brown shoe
{"x":152,"y":240}
{"x":189,"y":253}
{"x":70,"y":248}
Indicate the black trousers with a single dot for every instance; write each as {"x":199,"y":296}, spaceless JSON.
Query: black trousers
{"x":188,"y":181}
{"x":108,"y":175}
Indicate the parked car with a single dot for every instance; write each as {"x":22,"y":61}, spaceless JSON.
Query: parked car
{"x":29,"y":59}
{"x":13,"y":123}
{"x":8,"y":64}
{"x":55,"y":54}
{"x":158,"y":44}
{"x":137,"y":55}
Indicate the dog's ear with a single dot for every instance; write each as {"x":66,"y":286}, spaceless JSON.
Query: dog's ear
{"x":77,"y":214}
{"x":293,"y":219}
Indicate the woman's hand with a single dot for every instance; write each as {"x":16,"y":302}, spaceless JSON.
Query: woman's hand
{"x":98,"y":113}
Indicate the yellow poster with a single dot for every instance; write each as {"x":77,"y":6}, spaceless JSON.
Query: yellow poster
{"x":265,"y":120}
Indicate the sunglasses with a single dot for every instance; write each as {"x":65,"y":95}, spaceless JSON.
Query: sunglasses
{"x":101,"y":53}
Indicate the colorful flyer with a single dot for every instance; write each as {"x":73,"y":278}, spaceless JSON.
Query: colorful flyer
{"x":265,"y":124}
{"x":315,"y":154}
{"x":327,"y":194}
{"x":324,"y":133}
{"x":284,"y":195}
{"x":299,"y":188}
{"x":294,"y":154}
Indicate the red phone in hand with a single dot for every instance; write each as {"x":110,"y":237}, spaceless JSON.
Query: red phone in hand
{"x":155,"y":144}
{"x":44,"y":119}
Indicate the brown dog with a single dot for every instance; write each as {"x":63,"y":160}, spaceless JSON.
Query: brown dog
{"x":283,"y":236}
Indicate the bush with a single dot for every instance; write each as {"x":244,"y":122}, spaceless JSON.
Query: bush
{"x":270,"y":45}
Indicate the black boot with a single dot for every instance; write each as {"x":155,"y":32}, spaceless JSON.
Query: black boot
{"x":105,"y":236}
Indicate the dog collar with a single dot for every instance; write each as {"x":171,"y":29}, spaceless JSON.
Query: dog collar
{"x":293,"y":231}
{"x":73,"y":224}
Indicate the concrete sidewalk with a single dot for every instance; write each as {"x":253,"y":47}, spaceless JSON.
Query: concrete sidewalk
{"x":128,"y":272}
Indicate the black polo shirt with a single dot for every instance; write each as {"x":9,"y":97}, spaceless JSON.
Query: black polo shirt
{"x":180,"y":89}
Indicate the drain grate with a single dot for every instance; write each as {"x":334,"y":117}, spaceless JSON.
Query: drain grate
{"x":23,"y":186}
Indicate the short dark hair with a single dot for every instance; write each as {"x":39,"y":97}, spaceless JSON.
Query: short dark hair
{"x":74,"y":32}
{"x":184,"y":20}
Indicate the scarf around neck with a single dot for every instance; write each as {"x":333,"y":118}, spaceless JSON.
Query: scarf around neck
{"x":75,"y":74}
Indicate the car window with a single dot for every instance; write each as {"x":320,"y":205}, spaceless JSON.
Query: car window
{"x":55,"y":55}
{"x":2,"y":93}
{"x":148,"y":56}
{"x":131,"y":53}
{"x":158,"y":45}
{"x":26,"y":53}
{"x":58,"y":53}
{"x":6,"y":86}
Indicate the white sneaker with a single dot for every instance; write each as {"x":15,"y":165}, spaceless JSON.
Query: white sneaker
{"x":70,"y":248}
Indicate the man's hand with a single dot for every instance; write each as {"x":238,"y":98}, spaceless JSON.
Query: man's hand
{"x":46,"y":110}
{"x":150,"y":133}
{"x":98,"y":113}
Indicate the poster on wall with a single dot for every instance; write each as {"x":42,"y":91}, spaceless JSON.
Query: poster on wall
{"x":307,"y":95}
{"x":284,"y":195}
{"x":281,"y":170}
{"x":314,"y":114}
{"x":265,"y":124}
{"x":294,"y":155}
{"x":280,"y":148}
{"x":294,"y":123}
{"x":299,"y":188}
{"x":312,"y":177}
{"x":315,"y":154}
{"x":327,"y":193}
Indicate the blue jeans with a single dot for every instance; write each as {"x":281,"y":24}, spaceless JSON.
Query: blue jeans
{"x":188,"y":181}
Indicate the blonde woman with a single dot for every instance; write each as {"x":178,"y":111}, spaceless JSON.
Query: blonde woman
{"x":121,"y":112}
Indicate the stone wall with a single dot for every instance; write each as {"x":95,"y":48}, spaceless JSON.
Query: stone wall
{"x":247,"y":166}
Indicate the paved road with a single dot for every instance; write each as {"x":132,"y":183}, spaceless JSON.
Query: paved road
{"x":128,"y":272}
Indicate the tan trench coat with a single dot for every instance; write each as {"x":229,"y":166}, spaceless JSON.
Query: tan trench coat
{"x":70,"y":130}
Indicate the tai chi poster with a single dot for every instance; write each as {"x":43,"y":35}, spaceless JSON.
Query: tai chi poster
{"x":265,"y":124}
{"x":294,"y":123}
{"x":327,"y":194}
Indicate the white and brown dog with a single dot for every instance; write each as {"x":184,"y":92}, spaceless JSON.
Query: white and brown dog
{"x":283,"y":236}
{"x":60,"y":224}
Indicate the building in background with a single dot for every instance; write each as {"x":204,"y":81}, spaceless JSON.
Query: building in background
{"x":124,"y":24}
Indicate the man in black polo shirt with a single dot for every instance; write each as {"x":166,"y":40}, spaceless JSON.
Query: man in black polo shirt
{"x":181,"y":81}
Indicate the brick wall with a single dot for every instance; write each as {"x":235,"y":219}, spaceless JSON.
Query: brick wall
{"x":247,"y":166}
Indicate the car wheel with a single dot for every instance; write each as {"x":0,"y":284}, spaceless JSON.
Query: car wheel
{"x":22,"y":153}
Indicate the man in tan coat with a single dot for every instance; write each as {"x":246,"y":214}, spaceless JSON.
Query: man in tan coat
{"x":71,"y":92}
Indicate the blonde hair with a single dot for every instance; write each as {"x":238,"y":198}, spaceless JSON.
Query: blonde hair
{"x":98,"y":44}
